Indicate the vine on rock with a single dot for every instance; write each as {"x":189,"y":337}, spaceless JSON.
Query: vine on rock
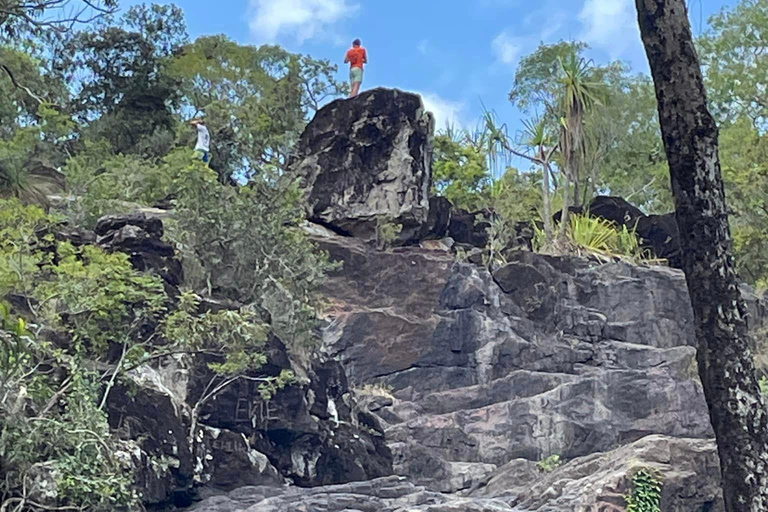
{"x":646,"y":492}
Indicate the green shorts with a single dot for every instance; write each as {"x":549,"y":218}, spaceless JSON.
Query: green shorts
{"x":356,"y":75}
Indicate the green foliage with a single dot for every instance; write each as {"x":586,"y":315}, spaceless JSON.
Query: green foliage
{"x":387,"y":232}
{"x":549,"y":464}
{"x":606,"y":118}
{"x":24,"y":18}
{"x":237,"y":337}
{"x":27,"y":157}
{"x":52,"y":427}
{"x":537,"y":77}
{"x":106,"y":183}
{"x":599,"y":236}
{"x":764,"y":386}
{"x":245,"y":243}
{"x":54,"y":433}
{"x":516,"y":196}
{"x":20,"y":259}
{"x":121,"y":63}
{"x":625,"y":154}
{"x":460,"y":171}
{"x":98,"y":298}
{"x":646,"y":492}
{"x":743,"y":157}
{"x":256,"y":100}
{"x":17,"y":106}
{"x":732,"y":53}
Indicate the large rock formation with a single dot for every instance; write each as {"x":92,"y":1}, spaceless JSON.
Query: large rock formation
{"x":547,"y":356}
{"x":460,"y":380}
{"x":368,"y":158}
{"x":310,"y":433}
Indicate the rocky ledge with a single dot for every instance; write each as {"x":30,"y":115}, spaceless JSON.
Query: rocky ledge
{"x":596,"y":482}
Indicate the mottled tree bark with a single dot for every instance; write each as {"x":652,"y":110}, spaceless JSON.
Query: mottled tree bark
{"x":726,"y":365}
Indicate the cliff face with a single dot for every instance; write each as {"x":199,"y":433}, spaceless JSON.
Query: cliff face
{"x":368,"y":158}
{"x":475,"y":377}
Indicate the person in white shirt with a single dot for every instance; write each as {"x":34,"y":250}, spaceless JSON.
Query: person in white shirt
{"x":203,"y":145}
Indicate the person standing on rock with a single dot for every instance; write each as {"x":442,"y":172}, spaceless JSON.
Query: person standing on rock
{"x":356,"y":57}
{"x":203,"y":145}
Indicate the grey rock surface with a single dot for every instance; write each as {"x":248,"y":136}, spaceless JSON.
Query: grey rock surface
{"x":367,"y":157}
{"x":575,"y":359}
{"x":597,"y":482}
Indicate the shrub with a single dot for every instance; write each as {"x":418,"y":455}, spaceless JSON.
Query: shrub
{"x":20,"y":256}
{"x":244,"y":243}
{"x":387,"y":232}
{"x":52,"y":424}
{"x":549,"y":464}
{"x":98,"y":298}
{"x":104,"y":183}
{"x":599,"y":236}
{"x":53,"y":430}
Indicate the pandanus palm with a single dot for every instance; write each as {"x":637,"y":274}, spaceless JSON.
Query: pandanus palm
{"x":538,"y":138}
{"x":579,"y":95}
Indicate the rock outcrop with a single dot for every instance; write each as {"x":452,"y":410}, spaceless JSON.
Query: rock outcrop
{"x":458,"y":380}
{"x":596,"y":482}
{"x":547,"y":356}
{"x":365,"y":159}
{"x":141,"y":237}
{"x":310,"y":433}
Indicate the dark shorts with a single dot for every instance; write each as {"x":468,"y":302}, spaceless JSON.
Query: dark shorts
{"x":205,"y":156}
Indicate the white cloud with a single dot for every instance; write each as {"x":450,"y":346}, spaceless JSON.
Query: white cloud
{"x":609,"y":25}
{"x":446,"y":112}
{"x":506,"y":48}
{"x":301,"y":19}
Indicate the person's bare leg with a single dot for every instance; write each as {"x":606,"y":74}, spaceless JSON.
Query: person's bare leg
{"x":355,"y":89}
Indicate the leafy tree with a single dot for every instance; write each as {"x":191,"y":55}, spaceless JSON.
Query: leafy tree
{"x":578,"y":97}
{"x":726,"y":364}
{"x":460,"y":170}
{"x":242,"y":242}
{"x":122,"y":90}
{"x":736,"y":64}
{"x":567,"y":87}
{"x":538,"y":139}
{"x":536,"y":80}
{"x":256,"y":100}
{"x":29,"y":158}
{"x":25,"y":87}
{"x":625,"y":154}
{"x":33,"y":16}
{"x":617,"y":145}
{"x":54,"y":439}
{"x":744,"y":155}
{"x":52,"y":426}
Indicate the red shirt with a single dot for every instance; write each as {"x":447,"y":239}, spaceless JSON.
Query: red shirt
{"x":357,"y":57}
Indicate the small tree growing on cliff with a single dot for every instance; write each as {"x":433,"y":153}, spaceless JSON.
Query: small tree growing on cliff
{"x":726,"y":366}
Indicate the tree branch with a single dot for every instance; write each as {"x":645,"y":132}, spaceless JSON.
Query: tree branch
{"x":17,"y":85}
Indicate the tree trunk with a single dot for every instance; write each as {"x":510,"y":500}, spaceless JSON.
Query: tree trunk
{"x":726,"y":365}
{"x":565,"y":215}
{"x":545,"y":195}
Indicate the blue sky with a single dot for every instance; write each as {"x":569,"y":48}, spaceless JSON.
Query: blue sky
{"x":456,"y":53}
